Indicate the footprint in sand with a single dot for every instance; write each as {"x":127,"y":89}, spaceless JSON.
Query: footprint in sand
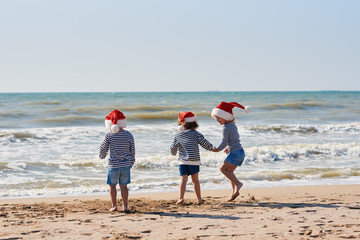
{"x":186,"y":228}
{"x":206,"y":227}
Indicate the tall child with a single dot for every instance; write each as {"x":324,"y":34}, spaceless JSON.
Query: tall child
{"x":231,"y":141}
{"x":187,"y":141}
{"x":122,"y":156}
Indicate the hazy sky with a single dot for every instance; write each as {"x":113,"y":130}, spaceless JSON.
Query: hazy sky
{"x":162,"y":45}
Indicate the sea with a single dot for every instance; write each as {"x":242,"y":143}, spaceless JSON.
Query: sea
{"x":49,"y":142}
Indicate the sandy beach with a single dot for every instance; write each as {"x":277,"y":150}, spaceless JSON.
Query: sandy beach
{"x":309,"y":212}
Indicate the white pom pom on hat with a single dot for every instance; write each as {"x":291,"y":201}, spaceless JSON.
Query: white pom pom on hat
{"x":115,"y":120}
{"x":224,"y":110}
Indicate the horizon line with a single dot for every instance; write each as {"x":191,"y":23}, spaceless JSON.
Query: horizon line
{"x":206,"y":91}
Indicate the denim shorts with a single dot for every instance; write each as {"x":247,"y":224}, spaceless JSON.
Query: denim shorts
{"x":118,"y":175}
{"x":189,"y":169}
{"x":236,"y":157}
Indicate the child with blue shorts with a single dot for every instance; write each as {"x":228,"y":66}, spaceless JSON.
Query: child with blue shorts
{"x":187,"y":141}
{"x":122,"y":157}
{"x":231,"y":143}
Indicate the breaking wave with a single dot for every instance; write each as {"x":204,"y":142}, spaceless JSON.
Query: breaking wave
{"x":294,"y":105}
{"x":307,"y":129}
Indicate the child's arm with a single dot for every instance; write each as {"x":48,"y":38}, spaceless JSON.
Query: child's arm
{"x":132,"y":149}
{"x":173,"y":147}
{"x":104,"y":148}
{"x":225,"y":140}
{"x":203,"y":142}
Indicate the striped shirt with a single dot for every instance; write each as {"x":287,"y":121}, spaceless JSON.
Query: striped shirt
{"x":122,"y":149}
{"x":231,"y":138}
{"x":187,"y":143}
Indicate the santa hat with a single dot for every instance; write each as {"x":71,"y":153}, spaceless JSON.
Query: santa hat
{"x":224,"y":110}
{"x":115,"y":120}
{"x":187,"y":117}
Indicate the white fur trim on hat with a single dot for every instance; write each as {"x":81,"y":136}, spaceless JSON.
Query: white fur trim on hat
{"x":121,"y":123}
{"x":217,"y":112}
{"x":190,"y":119}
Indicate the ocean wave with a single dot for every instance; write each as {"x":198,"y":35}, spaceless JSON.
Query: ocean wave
{"x":285,"y":129}
{"x":167,"y":115}
{"x":164,"y":115}
{"x":12,"y":114}
{"x":294,"y":105}
{"x":263,"y":154}
{"x":306,"y":128}
{"x":305,"y":173}
{"x":12,"y":137}
{"x":150,"y":108}
{"x":302,"y":151}
{"x":71,"y":119}
{"x":50,"y":102}
{"x":55,"y":110}
{"x":130,"y":108}
{"x":85,"y":120}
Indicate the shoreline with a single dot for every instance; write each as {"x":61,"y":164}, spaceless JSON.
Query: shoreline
{"x":162,"y":193}
{"x":301,"y":212}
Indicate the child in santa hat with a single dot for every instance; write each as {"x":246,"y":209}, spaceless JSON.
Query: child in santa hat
{"x":231,"y":143}
{"x":187,"y":141}
{"x":122,"y":156}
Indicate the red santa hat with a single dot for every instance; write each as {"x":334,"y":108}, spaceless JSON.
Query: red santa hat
{"x":224,"y":110}
{"x":187,"y":117}
{"x":115,"y":120}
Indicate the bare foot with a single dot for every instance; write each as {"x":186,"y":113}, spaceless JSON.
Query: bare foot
{"x":237,"y":188}
{"x":236,"y":193}
{"x":233,"y":197}
{"x":180,"y":201}
{"x":113,"y":209}
{"x":201,"y":201}
{"x":125,"y":209}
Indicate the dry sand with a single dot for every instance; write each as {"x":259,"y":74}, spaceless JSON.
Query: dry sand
{"x":311,"y":212}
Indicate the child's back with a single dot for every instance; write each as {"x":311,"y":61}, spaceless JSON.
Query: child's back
{"x":122,"y":149}
{"x":188,"y":144}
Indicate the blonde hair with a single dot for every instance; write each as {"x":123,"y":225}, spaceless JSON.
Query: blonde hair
{"x":233,"y":120}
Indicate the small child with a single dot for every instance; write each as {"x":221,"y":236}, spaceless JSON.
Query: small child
{"x":231,"y":140}
{"x":186,"y":141}
{"x":122,"y":157}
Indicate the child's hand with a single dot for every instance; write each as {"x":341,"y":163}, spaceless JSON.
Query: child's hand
{"x":214,"y":149}
{"x":226,"y":151}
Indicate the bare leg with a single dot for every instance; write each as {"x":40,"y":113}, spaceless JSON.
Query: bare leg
{"x":125,"y":197}
{"x":113,"y":194}
{"x":233,"y":187}
{"x":228,"y":170}
{"x":184,"y":179}
{"x":196,"y":182}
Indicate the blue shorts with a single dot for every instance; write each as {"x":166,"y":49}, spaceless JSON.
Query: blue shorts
{"x":118,"y":175}
{"x":236,"y":157}
{"x":189,"y":169}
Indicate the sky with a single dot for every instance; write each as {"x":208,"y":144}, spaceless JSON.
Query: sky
{"x":162,"y":45}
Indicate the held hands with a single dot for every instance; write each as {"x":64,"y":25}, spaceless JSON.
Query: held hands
{"x":214,"y":149}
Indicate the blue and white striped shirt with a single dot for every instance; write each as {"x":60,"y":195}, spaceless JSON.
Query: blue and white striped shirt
{"x":122,"y":149}
{"x":187,"y":143}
